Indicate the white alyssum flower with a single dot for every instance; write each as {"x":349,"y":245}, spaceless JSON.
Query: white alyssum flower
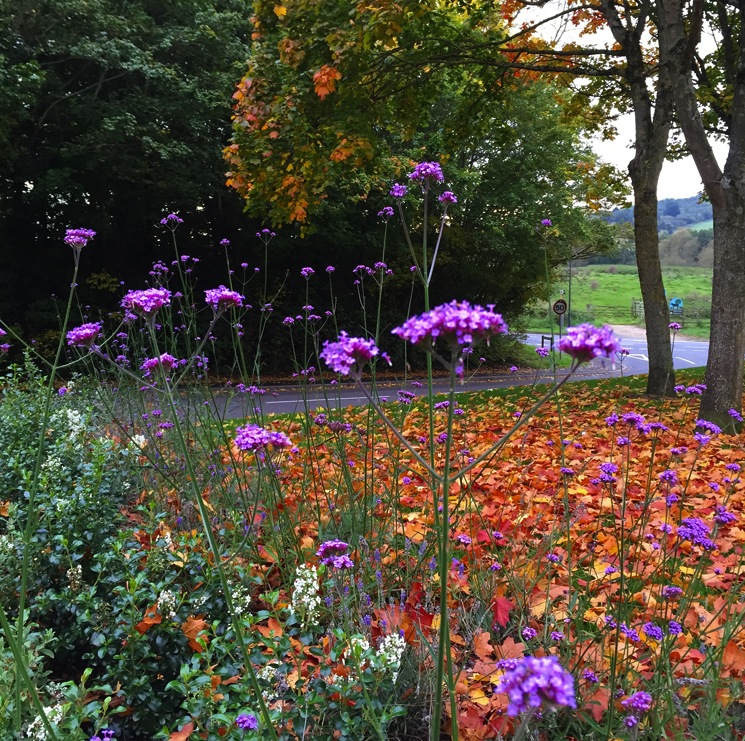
{"x":241,"y":599}
{"x":389,"y":654}
{"x":75,"y":577}
{"x":305,"y":600}
{"x":36,"y":728}
{"x":7,"y":545}
{"x":138,"y":441}
{"x":75,"y":422}
{"x":166,"y":604}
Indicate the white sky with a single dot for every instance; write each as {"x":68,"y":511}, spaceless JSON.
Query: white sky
{"x":678,"y":179}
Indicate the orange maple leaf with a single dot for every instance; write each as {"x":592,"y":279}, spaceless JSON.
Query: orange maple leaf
{"x":191,"y":628}
{"x":324,"y":81}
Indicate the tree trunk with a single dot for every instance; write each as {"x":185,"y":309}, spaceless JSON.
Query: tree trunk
{"x":726,"y":190}
{"x":651,"y":129}
{"x":724,"y":370}
{"x":661,"y":378}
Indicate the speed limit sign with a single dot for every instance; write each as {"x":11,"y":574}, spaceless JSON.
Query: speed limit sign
{"x":560,"y":307}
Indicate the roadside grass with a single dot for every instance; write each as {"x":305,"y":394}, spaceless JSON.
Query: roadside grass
{"x":605,"y":294}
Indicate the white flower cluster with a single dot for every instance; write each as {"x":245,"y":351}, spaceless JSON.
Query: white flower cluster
{"x":75,"y":422}
{"x":305,"y":600}
{"x":358,"y":646}
{"x":75,"y":578}
{"x":390,"y":651}
{"x":166,"y":604}
{"x":268,"y":674}
{"x":241,"y":599}
{"x":138,"y":441}
{"x":36,"y":728}
{"x":53,"y":467}
{"x":7,"y":546}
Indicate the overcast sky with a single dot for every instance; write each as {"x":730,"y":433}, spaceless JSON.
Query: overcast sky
{"x":678,"y":179}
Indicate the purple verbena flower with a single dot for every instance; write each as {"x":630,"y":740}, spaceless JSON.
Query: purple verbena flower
{"x":386,"y":212}
{"x":426,"y":173}
{"x":78,"y":238}
{"x":247,"y":722}
{"x":674,"y":326}
{"x":165,"y":361}
{"x":447,"y":198}
{"x":254,"y":438}
{"x":546,"y":222}
{"x":653,"y":631}
{"x":84,"y":335}
{"x":348,"y":355}
{"x":146,"y":302}
{"x":639,"y":701}
{"x":586,"y":342}
{"x":222,"y":298}
{"x":398,"y":191}
{"x":695,"y":530}
{"x":307,"y":272}
{"x":456,"y":323}
{"x":172,"y":221}
{"x":735,"y":415}
{"x":533,"y":682}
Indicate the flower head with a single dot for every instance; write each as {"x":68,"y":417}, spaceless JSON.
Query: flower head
{"x":386,"y":212}
{"x":84,"y":335}
{"x":222,"y":298}
{"x":398,"y":191}
{"x":78,"y":238}
{"x":247,"y":722}
{"x":674,"y":326}
{"x":535,"y":681}
{"x":586,"y":342}
{"x":348,"y":355}
{"x":457,"y":323}
{"x":171,"y":221}
{"x":447,"y":198}
{"x":146,"y":303}
{"x":426,"y":173}
{"x":546,"y":222}
{"x":165,"y":361}
{"x":255,"y":438}
{"x":639,"y":701}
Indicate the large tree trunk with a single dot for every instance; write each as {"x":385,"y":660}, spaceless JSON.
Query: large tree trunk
{"x":651,"y":129}
{"x":726,"y":190}
{"x":661,"y":378}
{"x":727,"y":339}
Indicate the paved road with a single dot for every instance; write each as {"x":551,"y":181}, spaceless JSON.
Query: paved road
{"x":686,"y":354}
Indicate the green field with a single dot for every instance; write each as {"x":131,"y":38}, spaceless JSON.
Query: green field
{"x":606,"y":293}
{"x":701,"y":225}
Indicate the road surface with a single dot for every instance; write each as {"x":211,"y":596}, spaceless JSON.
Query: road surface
{"x":288,"y":399}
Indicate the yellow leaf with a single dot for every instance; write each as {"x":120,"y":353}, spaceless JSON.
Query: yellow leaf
{"x":478,"y":696}
{"x":280,"y":11}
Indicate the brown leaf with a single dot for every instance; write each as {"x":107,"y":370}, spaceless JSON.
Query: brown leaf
{"x":183,"y":734}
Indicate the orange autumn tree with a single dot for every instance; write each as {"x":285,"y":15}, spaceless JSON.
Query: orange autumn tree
{"x":334,"y":90}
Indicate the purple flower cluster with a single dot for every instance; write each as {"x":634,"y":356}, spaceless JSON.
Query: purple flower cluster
{"x":386,"y":212}
{"x":586,"y":342}
{"x":147,"y":302}
{"x":171,"y":221}
{"x":165,"y":361}
{"x":674,"y":326}
{"x":671,"y":592}
{"x":696,"y":530}
{"x":333,"y":553}
{"x":247,"y":722}
{"x":639,"y":701}
{"x":255,"y":438}
{"x":447,"y":198}
{"x":723,"y":516}
{"x":307,"y":272}
{"x":456,"y":323}
{"x":535,"y":681}
{"x":653,"y":631}
{"x":78,"y":238}
{"x":348,"y":354}
{"x":427,"y":172}
{"x":222,"y":298}
{"x":84,"y":335}
{"x":398,"y":191}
